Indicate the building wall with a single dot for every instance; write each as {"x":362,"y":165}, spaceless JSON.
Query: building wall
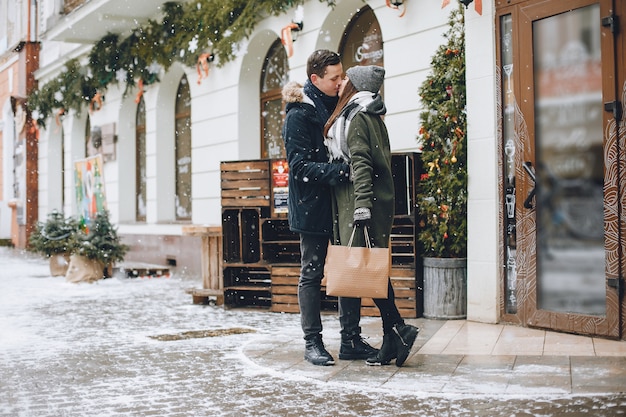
{"x":483,"y":288}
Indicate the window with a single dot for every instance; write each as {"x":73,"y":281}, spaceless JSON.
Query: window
{"x":363,"y":42}
{"x":183,"y":151}
{"x":273,"y":78}
{"x":140,"y":161}
{"x":89,"y":149}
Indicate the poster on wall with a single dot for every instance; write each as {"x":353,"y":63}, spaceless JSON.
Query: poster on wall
{"x":89,"y":184}
{"x":280,"y":183}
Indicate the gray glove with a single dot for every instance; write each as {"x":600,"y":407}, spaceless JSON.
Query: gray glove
{"x":362,"y":216}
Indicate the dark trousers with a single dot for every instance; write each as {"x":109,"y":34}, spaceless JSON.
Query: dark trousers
{"x":313,"y":250}
{"x":388,"y":310}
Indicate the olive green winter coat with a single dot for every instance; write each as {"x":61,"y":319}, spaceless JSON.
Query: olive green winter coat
{"x":372,"y":184}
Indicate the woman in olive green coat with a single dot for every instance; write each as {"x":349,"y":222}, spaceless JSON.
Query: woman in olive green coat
{"x":356,"y":134}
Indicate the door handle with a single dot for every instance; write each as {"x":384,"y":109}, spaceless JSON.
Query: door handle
{"x":528,"y":167}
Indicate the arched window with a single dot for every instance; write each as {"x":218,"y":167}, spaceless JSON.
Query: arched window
{"x":183,"y":151}
{"x":89,"y":149}
{"x":140,"y":161}
{"x":363,"y":41}
{"x":62,"y":152}
{"x":273,"y":77}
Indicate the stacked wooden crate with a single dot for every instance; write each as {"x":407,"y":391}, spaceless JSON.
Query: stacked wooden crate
{"x":262,"y":256}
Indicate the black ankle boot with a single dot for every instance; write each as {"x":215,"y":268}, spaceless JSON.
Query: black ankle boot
{"x":316,"y":353}
{"x":355,"y":348}
{"x":388,"y":351}
{"x":404,"y":336}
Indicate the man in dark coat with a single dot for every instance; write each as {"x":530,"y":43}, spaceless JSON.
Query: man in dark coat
{"x":311,"y":177}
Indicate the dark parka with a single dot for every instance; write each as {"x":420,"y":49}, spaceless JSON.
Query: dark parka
{"x":311,"y":176}
{"x":372,"y":185}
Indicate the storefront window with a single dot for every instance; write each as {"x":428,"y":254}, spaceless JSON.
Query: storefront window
{"x":273,"y":78}
{"x":89,"y":148}
{"x":363,"y":43}
{"x":140,"y":163}
{"x":183,"y":151}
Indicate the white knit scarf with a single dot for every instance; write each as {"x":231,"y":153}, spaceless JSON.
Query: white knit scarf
{"x":336,"y":141}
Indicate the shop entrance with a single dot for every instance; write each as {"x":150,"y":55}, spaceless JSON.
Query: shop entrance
{"x":561,"y":161}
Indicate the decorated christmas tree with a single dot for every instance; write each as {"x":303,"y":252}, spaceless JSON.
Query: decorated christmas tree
{"x":442,"y":191}
{"x":101,"y":242}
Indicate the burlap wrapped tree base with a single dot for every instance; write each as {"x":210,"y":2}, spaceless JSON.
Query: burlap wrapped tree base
{"x":83,"y":269}
{"x":59,"y":264}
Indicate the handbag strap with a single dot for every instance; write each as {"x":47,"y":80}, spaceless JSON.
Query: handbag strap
{"x":366,"y":234}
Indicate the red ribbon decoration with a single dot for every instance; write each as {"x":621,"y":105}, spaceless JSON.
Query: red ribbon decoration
{"x":478,"y":6}
{"x":60,"y":113}
{"x":57,"y":118}
{"x":286,"y":39}
{"x":203,"y":65}
{"x":34,"y":129}
{"x":96,"y":102}
{"x":393,"y":6}
{"x":140,"y":92}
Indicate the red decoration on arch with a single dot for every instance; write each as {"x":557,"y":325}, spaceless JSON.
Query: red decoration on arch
{"x":287,"y":39}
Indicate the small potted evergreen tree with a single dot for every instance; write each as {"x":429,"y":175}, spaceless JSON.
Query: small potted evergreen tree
{"x":442,"y":191}
{"x":54,"y":238}
{"x":95,"y":251}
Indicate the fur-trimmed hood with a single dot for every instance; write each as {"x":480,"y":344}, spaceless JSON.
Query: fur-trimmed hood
{"x":293,"y":93}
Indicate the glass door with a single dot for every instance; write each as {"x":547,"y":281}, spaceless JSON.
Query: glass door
{"x":568,"y":169}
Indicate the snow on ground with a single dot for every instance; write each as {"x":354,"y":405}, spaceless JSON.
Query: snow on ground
{"x":89,"y":350}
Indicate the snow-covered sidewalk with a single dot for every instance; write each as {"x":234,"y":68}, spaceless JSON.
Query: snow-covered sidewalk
{"x":137,"y":347}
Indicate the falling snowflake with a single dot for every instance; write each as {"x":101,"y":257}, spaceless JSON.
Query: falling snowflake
{"x":193,"y":44}
{"x":58,"y":96}
{"x":121,"y":74}
{"x":154,"y":68}
{"x":239,"y":50}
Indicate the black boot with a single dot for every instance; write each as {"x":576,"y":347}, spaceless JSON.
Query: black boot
{"x":388,"y":351}
{"x":316,"y":353}
{"x":405,"y":336}
{"x":356,"y":348}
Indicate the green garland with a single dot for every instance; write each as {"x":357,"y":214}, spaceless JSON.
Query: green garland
{"x":185,"y":32}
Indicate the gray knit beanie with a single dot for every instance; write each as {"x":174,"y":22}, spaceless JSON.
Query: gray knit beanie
{"x":366,"y":78}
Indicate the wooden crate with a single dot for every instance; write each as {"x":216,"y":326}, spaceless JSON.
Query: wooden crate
{"x":245,"y":183}
{"x":279,"y":244}
{"x":242,"y":240}
{"x":247,"y":286}
{"x":404,"y":286}
{"x":285,"y":291}
{"x":403,"y":243}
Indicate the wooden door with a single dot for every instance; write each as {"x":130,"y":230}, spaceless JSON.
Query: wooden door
{"x":563,"y":89}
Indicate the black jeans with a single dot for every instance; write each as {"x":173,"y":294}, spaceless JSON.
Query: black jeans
{"x":313,"y":250}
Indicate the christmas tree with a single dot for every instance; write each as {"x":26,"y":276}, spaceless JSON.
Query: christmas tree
{"x":442,"y":191}
{"x":101,"y":242}
{"x":55,"y":235}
